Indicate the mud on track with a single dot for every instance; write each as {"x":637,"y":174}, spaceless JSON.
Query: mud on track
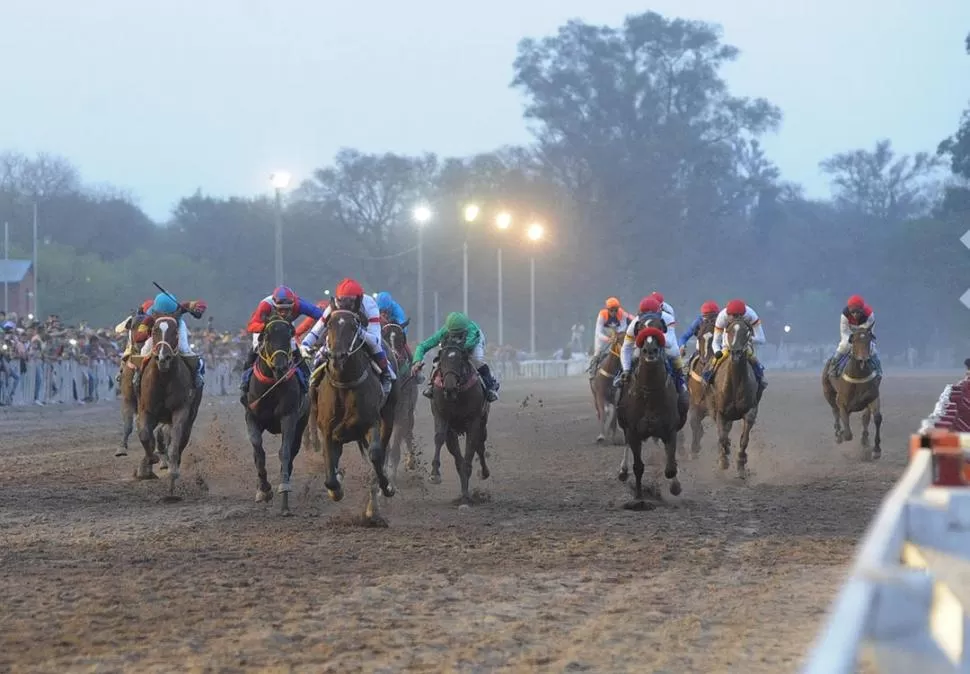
{"x":548,"y":573}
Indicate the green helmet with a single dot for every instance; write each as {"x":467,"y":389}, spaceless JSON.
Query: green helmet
{"x":456,"y":322}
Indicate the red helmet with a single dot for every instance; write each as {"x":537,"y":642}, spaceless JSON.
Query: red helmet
{"x":856,"y":302}
{"x":349,"y":288}
{"x":657,"y":296}
{"x":657,"y":335}
{"x":710,"y":307}
{"x":649,"y":305}
{"x":147,"y":304}
{"x":736,"y":308}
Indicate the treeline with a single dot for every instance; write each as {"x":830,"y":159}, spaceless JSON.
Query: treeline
{"x":646,"y":171}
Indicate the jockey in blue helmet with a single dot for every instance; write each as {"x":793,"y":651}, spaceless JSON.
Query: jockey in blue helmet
{"x":165,"y":304}
{"x":391,"y":310}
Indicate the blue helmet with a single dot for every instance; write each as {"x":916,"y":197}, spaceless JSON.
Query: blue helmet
{"x":385,"y":301}
{"x":165,"y":304}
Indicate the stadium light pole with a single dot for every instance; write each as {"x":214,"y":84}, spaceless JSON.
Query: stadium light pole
{"x":422,"y":214}
{"x":280,"y":181}
{"x":470,"y":214}
{"x":502,"y":222}
{"x":535,"y":232}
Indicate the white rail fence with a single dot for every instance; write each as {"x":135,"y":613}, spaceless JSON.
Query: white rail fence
{"x":904,"y":605}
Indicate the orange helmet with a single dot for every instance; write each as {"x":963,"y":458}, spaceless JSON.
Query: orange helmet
{"x":612,"y":303}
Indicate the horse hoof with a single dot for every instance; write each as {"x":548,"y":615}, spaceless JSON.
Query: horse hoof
{"x":335,"y":495}
{"x":742,"y":472}
{"x":483,"y":474}
{"x":675,"y":487}
{"x":623,"y":475}
{"x":286,"y":513}
{"x":670,"y":473}
{"x":434,"y":479}
{"x":284,"y":487}
{"x":388,"y":491}
{"x":723,"y":462}
{"x":639,"y":505}
{"x":122,"y":452}
{"x":145,"y":476}
{"x":600,"y":439}
{"x":264,"y":496}
{"x":876,"y":453}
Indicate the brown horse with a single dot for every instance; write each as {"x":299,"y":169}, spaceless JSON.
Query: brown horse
{"x":696,"y":387}
{"x":394,"y":338}
{"x":734,"y":394}
{"x":856,"y":390}
{"x":350,"y":406}
{"x":129,"y":410}
{"x":649,"y":408}
{"x":459,"y":408}
{"x":166,"y":395}
{"x":604,"y":393}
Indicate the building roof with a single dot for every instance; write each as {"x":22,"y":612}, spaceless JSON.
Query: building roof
{"x":13,"y":271}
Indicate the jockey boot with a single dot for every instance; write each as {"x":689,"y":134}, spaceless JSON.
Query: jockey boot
{"x":876,"y":363}
{"x":759,"y":373}
{"x":677,"y":365}
{"x":708,"y":374}
{"x":491,"y":386}
{"x":387,"y":374}
{"x":200,"y":374}
{"x":247,"y":371}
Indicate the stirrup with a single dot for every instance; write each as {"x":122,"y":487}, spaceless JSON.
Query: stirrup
{"x":428,"y":392}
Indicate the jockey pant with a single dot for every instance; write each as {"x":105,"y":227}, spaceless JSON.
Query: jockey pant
{"x":184,"y":346}
{"x":477,"y":353}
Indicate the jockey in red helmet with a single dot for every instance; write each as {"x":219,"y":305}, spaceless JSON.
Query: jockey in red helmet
{"x":855,"y":316}
{"x":650,"y":308}
{"x":665,"y":306}
{"x":350,"y":296}
{"x":738,"y":309}
{"x":708,"y":314}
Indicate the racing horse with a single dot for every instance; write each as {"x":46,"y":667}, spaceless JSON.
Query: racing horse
{"x":350,"y":407}
{"x":392,"y":334}
{"x":459,"y":407}
{"x":167,"y":394}
{"x":275,"y":401}
{"x":649,"y":407}
{"x":734,"y":394}
{"x":696,"y":386}
{"x":129,"y":410}
{"x":604,"y":393}
{"x":856,"y":390}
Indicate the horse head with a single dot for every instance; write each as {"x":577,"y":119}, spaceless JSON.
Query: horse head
{"x":165,"y":340}
{"x":452,"y":366}
{"x":344,"y":336}
{"x":861,"y":342}
{"x":276,"y":344}
{"x":393,"y":334}
{"x":705,"y":338}
{"x":737,"y":338}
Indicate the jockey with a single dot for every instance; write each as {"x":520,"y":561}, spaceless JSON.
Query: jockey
{"x":350,"y":296}
{"x":650,"y":309}
{"x":734,"y":309}
{"x":459,"y":325}
{"x":856,"y":314}
{"x":391,"y":310}
{"x":166,"y":304}
{"x":288,"y":305}
{"x":129,"y":326}
{"x":612,"y":317}
{"x":709,"y":312}
{"x":664,"y":306}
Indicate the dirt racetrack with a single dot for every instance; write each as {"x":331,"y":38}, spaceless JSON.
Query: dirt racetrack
{"x":547,"y":573}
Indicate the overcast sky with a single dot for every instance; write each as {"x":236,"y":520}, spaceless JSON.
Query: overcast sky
{"x":162,"y":98}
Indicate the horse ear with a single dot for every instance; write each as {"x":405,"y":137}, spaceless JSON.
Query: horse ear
{"x":406,"y":323}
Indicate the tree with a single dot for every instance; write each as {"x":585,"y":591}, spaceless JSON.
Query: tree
{"x":956,"y":149}
{"x":881,"y":185}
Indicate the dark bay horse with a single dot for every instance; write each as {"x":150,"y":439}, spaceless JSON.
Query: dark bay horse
{"x":350,"y":406}
{"x":166,"y":395}
{"x":459,"y":408}
{"x":649,"y":408}
{"x":276,"y":402}
{"x":604,"y":393}
{"x":734,"y":394}
{"x":395,"y":340}
{"x":856,"y":390}
{"x":696,"y":386}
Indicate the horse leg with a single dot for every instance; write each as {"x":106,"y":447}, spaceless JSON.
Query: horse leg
{"x":378,"y":439}
{"x":636,"y":448}
{"x":599,"y":405}
{"x":146,"y":435}
{"x":264,"y":492}
{"x":290,"y":435}
{"x":181,"y":429}
{"x":127,"y":426}
{"x":724,"y":442}
{"x":477,"y":433}
{"x":440,"y":433}
{"x":747,"y":423}
{"x":462,"y":464}
{"x":877,"y":417}
{"x":411,"y":458}
{"x":670,"y":470}
{"x":844,"y":418}
{"x":866,"y":418}
{"x":624,"y":471}
{"x":394,"y":456}
{"x":332,"y":451}
{"x":837,"y":423}
{"x":697,"y":414}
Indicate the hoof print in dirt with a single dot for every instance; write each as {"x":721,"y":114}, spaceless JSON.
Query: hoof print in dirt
{"x":171,"y":499}
{"x":640,"y":505}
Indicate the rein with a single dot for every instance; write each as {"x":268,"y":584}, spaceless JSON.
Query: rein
{"x":356,"y":344}
{"x":267,"y":358}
